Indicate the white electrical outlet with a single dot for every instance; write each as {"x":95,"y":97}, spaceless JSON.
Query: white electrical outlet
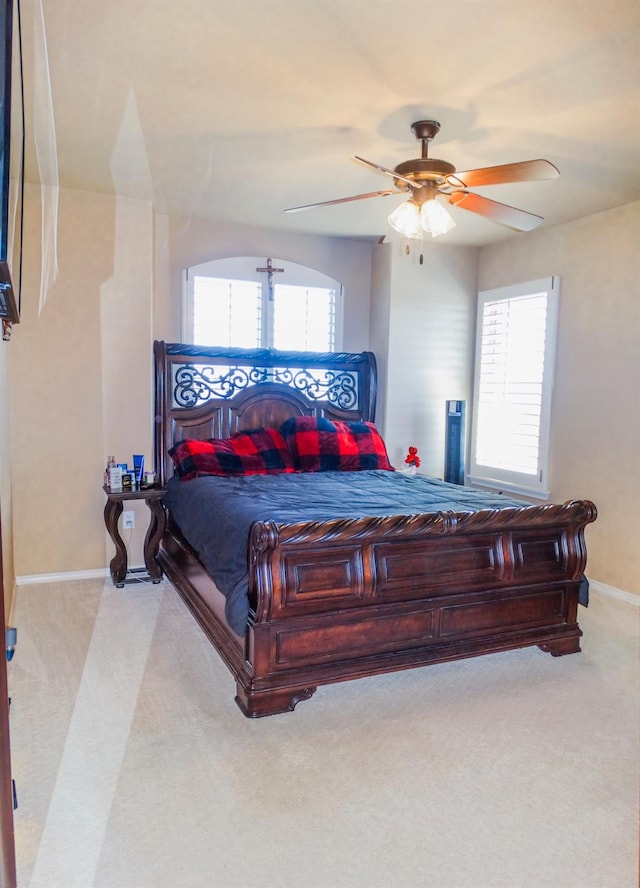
{"x":128,"y":520}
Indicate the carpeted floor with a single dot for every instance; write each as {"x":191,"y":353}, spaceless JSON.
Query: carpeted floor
{"x":135,"y":768}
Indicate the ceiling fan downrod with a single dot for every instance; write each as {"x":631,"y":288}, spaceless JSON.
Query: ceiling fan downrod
{"x":425,"y":131}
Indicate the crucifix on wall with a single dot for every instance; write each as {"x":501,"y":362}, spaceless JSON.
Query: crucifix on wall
{"x":270,"y":270}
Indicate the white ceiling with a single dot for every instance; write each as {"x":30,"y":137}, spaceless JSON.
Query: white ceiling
{"x":236,"y":109}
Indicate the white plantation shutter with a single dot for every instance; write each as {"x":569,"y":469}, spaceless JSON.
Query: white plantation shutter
{"x":240,"y":313}
{"x":226,"y":312}
{"x":514,"y":373}
{"x":304,"y":318}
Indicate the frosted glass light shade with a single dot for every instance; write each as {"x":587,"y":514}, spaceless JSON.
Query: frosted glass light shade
{"x":411,"y":220}
{"x":406,"y":220}
{"x":435,"y":219}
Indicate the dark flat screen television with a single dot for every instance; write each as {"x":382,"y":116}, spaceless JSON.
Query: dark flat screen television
{"x":11,"y":161}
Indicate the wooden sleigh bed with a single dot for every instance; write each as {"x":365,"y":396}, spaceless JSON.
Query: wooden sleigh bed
{"x":338,"y":599}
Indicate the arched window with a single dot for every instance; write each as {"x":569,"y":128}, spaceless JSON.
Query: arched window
{"x":230,"y":302}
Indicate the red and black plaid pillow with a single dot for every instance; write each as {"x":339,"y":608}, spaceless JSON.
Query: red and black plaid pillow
{"x":317,"y":444}
{"x":253,"y":452}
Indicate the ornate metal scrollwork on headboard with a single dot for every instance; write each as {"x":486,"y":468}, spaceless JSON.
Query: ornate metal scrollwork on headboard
{"x":195,"y":384}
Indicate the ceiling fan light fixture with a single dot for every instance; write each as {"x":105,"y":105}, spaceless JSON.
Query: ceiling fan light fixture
{"x":406,"y":220}
{"x":435,"y":219}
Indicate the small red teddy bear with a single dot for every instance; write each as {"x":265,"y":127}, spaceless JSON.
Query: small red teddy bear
{"x":412,"y":458}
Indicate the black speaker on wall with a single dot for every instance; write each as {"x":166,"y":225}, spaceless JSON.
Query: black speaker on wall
{"x":454,"y":442}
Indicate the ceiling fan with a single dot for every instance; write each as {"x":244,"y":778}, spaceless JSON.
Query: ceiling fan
{"x":428,"y":178}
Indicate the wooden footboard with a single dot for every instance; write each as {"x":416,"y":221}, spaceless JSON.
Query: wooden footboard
{"x":343,"y":599}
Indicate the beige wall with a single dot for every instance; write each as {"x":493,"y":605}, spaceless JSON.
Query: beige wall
{"x":423,"y":318}
{"x":81,"y":369}
{"x":58,"y":435}
{"x":183,"y":243}
{"x":595,"y":441}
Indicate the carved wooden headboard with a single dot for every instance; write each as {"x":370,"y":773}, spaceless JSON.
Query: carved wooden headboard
{"x":210,"y":392}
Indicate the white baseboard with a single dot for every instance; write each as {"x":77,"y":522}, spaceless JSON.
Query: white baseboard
{"x":612,"y":592}
{"x":29,"y":579}
{"x":68,"y":575}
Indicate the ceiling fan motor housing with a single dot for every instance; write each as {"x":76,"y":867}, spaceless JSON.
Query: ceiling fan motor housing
{"x":424,"y":169}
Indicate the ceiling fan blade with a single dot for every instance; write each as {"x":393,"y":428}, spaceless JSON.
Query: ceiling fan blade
{"x":340,"y":200}
{"x":385,"y":170}
{"x":524,"y":171}
{"x":498,"y":212}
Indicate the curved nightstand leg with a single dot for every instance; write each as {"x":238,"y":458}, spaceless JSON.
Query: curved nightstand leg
{"x":118,"y":566}
{"x":153,"y":537}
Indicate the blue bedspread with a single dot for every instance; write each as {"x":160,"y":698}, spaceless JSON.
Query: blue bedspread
{"x":215,"y":514}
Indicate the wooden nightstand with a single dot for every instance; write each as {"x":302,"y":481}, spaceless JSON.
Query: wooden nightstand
{"x":157,"y":521}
